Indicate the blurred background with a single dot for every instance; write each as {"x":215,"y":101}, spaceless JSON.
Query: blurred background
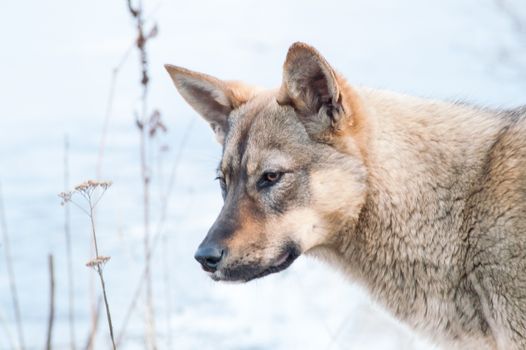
{"x":73,"y":108}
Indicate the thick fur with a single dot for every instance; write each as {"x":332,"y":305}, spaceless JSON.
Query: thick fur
{"x":422,"y":202}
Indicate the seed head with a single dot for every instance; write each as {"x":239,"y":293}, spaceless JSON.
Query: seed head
{"x":98,"y":261}
{"x":66,"y":197}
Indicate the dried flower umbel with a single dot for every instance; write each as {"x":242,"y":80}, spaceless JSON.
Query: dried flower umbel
{"x":98,"y":262}
{"x":91,"y":192}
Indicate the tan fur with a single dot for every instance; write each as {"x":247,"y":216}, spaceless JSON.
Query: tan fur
{"x":422,"y":202}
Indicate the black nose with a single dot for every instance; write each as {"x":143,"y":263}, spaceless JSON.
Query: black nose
{"x":209,"y":257}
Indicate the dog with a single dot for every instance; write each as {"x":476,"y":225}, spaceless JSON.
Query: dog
{"x":422,"y":202}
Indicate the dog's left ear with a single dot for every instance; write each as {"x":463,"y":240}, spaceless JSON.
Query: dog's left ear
{"x":311,"y":86}
{"x":214,"y":99}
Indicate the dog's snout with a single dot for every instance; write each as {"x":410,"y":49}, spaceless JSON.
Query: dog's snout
{"x":209,"y":257}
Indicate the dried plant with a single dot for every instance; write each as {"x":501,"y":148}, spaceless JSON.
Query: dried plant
{"x":51,"y":320}
{"x":11,"y":274}
{"x":167,"y":294}
{"x":67,"y":235}
{"x":111,"y":95}
{"x":109,"y":107}
{"x":94,"y":325}
{"x":7,"y":334}
{"x":148,"y":124}
{"x":92,"y":192}
{"x":159,"y":228}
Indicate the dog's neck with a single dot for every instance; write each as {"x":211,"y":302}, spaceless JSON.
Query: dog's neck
{"x":402,"y":248}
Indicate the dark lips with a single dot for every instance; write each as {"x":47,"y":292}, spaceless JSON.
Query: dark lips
{"x":248,"y":272}
{"x":284,"y":261}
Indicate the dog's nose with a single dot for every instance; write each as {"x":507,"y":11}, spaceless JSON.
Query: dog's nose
{"x":209,"y":257}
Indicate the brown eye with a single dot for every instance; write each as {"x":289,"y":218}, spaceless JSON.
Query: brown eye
{"x":268,"y":179}
{"x":272,"y":177}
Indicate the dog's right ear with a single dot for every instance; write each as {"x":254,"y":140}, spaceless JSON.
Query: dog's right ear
{"x":312,"y":87}
{"x":212,"y":98}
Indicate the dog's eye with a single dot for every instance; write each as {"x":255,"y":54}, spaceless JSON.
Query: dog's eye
{"x":269,"y":178}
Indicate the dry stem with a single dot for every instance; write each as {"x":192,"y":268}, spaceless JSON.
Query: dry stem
{"x":98,"y":268}
{"x":167,"y":295}
{"x":7,"y":333}
{"x":11,"y":273}
{"x":87,"y":191}
{"x":142,"y":122}
{"x":109,"y":102}
{"x":158,"y":232}
{"x":109,"y":107}
{"x":95,"y":325}
{"x":51,"y":303}
{"x":67,"y":234}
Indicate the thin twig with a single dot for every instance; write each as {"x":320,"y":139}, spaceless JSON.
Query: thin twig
{"x":87,"y":190}
{"x":51,"y":318}
{"x":11,"y":273}
{"x":7,"y":333}
{"x":142,"y":122}
{"x":111,"y":96}
{"x":99,"y":271}
{"x":159,"y":230}
{"x":94,"y":309}
{"x":93,"y":233}
{"x":95,"y":325}
{"x":67,"y":234}
{"x":109,"y":107}
{"x":100,"y":158}
{"x":167,"y":294}
{"x":108,"y":315}
{"x":129,"y":311}
{"x":172,"y":177}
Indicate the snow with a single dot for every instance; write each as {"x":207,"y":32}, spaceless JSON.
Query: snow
{"x":56,"y":62}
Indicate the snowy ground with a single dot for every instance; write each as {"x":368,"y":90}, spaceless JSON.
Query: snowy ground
{"x":55,"y":67}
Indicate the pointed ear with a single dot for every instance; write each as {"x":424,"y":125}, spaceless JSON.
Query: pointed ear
{"x":311,"y":86}
{"x":212,"y":98}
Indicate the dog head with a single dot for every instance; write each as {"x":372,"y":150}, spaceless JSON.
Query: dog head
{"x":292,"y":172}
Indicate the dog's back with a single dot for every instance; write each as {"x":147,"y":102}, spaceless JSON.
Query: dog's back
{"x":443,"y":232}
{"x":496,"y":234}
